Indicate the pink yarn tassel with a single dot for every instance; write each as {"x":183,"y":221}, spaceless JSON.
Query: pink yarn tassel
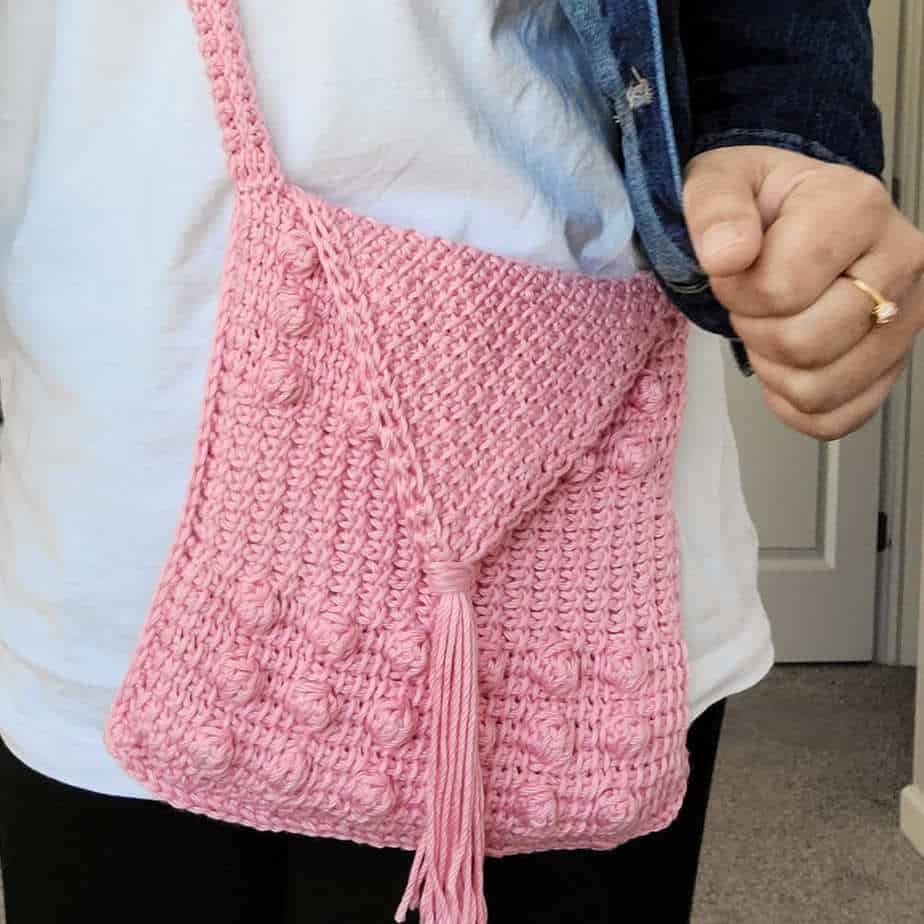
{"x":446,"y":883}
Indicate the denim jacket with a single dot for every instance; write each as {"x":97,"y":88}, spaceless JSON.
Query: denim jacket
{"x":684,"y":76}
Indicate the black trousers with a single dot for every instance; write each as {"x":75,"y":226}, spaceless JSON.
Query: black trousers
{"x":72,"y":855}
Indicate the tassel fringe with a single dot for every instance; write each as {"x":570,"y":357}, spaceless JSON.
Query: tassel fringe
{"x":446,"y":882}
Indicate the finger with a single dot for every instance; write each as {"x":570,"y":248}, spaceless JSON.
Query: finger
{"x":842,"y":317}
{"x":826,"y":223}
{"x":838,"y":423}
{"x":719,"y":200}
{"x":819,"y":391}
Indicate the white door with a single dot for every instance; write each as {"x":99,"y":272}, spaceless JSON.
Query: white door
{"x":815,"y":504}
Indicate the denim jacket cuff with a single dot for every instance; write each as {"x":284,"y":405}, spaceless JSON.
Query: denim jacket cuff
{"x":867,"y":157}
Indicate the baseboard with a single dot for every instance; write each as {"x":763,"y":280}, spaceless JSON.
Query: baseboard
{"x":911,"y":816}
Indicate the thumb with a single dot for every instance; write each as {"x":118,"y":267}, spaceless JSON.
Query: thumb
{"x":720,"y":204}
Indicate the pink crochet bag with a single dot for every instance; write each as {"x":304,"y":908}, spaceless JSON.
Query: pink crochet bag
{"x":424,"y":590}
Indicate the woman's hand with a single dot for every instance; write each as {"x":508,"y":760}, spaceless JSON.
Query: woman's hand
{"x":775,"y":231}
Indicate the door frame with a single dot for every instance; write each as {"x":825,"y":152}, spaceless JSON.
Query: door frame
{"x":902,"y":488}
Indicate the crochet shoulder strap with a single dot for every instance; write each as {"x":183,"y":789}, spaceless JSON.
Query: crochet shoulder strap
{"x":252,"y":161}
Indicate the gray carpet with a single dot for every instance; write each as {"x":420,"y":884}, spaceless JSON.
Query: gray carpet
{"x":803,"y":818}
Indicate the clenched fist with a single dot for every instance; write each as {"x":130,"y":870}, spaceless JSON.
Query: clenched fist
{"x":775,"y":231}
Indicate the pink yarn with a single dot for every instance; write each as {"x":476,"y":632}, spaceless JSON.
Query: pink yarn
{"x":424,"y":588}
{"x":446,"y":877}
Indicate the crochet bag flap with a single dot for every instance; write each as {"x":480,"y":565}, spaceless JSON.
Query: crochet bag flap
{"x":424,"y":588}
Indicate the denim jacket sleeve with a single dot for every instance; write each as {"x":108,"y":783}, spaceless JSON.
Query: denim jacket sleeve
{"x":795,"y":74}
{"x":686,"y":76}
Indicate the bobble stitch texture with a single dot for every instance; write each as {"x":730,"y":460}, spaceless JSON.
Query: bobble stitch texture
{"x":212,"y":750}
{"x":625,"y":739}
{"x":556,"y":668}
{"x":259,"y":607}
{"x":239,"y":678}
{"x":313,"y":701}
{"x":334,"y":633}
{"x":537,"y":807}
{"x":408,"y":651}
{"x":392,"y":721}
{"x":287,"y":771}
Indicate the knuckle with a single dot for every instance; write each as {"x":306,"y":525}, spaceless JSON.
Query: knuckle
{"x":828,"y":430}
{"x":727,"y":289}
{"x":917,"y":254}
{"x":802,"y":393}
{"x":777,"y":292}
{"x":871,"y":191}
{"x":794,"y":347}
{"x":825,"y":250}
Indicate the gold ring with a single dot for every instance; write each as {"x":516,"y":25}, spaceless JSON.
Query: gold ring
{"x":885,"y":311}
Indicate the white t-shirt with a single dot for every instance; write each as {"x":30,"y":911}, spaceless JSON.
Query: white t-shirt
{"x":473,"y":121}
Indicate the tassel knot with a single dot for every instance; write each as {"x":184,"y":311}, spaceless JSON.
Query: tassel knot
{"x":450,"y":577}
